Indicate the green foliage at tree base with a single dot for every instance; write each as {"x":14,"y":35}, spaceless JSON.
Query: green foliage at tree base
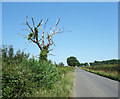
{"x":43,"y":54}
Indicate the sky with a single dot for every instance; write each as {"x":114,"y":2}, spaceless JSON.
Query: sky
{"x":93,"y":26}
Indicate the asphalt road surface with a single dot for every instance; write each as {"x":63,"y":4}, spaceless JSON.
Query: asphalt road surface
{"x":91,"y":85}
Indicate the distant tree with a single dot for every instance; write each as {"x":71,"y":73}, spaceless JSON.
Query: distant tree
{"x":86,"y":64}
{"x":91,"y":64}
{"x":105,"y":62}
{"x":61,"y":64}
{"x":55,"y":64}
{"x":72,"y":61}
{"x":81,"y":64}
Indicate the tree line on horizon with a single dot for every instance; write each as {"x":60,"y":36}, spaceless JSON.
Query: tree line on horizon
{"x":8,"y":55}
{"x":72,"y":61}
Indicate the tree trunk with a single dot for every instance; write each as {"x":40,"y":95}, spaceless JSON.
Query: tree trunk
{"x":43,"y":54}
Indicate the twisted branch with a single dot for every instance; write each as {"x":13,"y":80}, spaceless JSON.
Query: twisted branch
{"x":42,"y":34}
{"x":33,"y":22}
{"x":45,"y":23}
{"x":39,"y":24}
{"x":28,"y":25}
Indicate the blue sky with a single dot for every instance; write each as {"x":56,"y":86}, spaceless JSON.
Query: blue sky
{"x":94,"y":28}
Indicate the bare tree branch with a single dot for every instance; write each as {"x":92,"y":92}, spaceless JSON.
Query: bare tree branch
{"x":52,"y":43}
{"x":33,"y":40}
{"x":55,"y":25}
{"x":39,"y":24}
{"x":48,"y":44}
{"x":42,"y":34}
{"x":55,"y":32}
{"x":39,"y":45}
{"x":52,"y":32}
{"x":58,"y":20}
{"x":35,"y":33}
{"x":45,"y":23}
{"x":50,"y":50}
{"x":26,"y":30}
{"x":33,"y":22}
{"x":23,"y":24}
{"x":51,"y":54}
{"x":25,"y":36}
{"x":29,"y":25}
{"x":60,"y":32}
{"x":28,"y":42}
{"x":39,"y":40}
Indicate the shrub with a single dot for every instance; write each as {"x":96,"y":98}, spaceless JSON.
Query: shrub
{"x":21,"y":80}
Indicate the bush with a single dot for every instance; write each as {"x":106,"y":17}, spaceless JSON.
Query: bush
{"x":21,"y":80}
{"x":72,"y":61}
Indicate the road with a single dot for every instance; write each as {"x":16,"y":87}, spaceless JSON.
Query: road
{"x":91,"y":85}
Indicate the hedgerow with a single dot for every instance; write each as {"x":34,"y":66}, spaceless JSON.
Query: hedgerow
{"x":21,"y":80}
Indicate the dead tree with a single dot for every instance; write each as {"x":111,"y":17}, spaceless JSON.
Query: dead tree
{"x":34,"y":36}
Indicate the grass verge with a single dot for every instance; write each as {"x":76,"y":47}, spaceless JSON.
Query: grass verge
{"x":109,"y":74}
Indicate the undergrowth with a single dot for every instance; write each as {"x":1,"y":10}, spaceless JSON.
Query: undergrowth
{"x":32,"y":78}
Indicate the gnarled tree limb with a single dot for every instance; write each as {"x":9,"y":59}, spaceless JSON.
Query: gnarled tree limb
{"x":45,"y":23}
{"x":39,"y":24}
{"x":28,"y":25}
{"x":50,"y":50}
{"x":42,"y":34}
{"x":33,"y":22}
{"x":51,"y":54}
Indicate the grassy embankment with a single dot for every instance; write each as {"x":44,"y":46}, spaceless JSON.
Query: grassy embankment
{"x":109,"y":71}
{"x":35,"y":79}
{"x":64,"y":86}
